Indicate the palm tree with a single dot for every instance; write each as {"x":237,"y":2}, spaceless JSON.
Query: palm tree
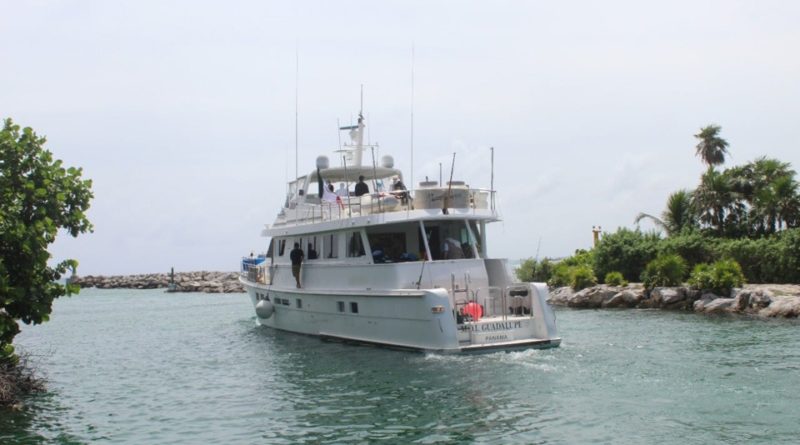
{"x":787,"y":201}
{"x":773,"y":192}
{"x":678,"y":216}
{"x":711,"y":148}
{"x":714,"y":198}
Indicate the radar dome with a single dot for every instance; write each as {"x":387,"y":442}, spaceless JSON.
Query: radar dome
{"x":323,"y":162}
{"x":387,"y":161}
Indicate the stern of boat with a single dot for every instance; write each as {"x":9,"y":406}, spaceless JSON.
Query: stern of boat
{"x":506,"y":318}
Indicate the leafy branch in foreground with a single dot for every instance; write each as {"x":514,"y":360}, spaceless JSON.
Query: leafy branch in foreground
{"x":38,"y":197}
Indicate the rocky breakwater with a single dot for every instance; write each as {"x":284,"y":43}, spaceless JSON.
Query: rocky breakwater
{"x":209,"y":282}
{"x":761,"y":300}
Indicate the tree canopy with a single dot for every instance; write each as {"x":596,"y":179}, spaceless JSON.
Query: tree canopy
{"x":711,"y":148}
{"x":758,"y":198}
{"x":38,"y":197}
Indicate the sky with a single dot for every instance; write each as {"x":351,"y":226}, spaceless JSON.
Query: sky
{"x":183,"y":112}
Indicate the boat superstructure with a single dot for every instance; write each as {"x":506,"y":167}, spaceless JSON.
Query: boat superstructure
{"x":397,"y":267}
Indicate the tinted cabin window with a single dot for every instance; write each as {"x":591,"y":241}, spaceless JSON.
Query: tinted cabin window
{"x":281,"y":247}
{"x":331,"y":243}
{"x":449,"y":240}
{"x":355,"y":247}
{"x":311,"y":251}
{"x":354,"y":307}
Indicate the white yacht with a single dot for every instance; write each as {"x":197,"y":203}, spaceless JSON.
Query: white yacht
{"x":393,"y":267}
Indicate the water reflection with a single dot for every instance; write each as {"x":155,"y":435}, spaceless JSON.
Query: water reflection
{"x":353,"y":393}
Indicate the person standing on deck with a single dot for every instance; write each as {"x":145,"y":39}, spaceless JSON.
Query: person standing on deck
{"x":297,"y":260}
{"x":361,"y":187}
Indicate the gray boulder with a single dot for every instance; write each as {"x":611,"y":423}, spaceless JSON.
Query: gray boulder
{"x":741,"y":300}
{"x":593,"y":297}
{"x":700,"y":304}
{"x":786,"y":307}
{"x":720,"y":305}
{"x":668,"y":296}
{"x":760,"y":299}
{"x":626,"y":298}
{"x":560,"y":296}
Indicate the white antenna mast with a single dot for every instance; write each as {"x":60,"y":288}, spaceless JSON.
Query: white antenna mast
{"x":412,"y":116}
{"x":296,"y":89}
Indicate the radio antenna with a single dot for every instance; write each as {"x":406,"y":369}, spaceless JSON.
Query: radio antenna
{"x":296,"y":89}
{"x":412,"y":116}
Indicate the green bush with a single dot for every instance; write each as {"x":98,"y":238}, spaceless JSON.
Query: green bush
{"x":580,"y":258}
{"x":760,"y":259}
{"x":582,"y":277}
{"x":615,"y":279}
{"x":768,"y":259}
{"x":561,"y":276}
{"x":702,"y":277}
{"x":789,"y":256}
{"x":535,"y":271}
{"x":719,"y":277}
{"x":692,"y":247}
{"x":666,"y":270}
{"x":626,"y":251}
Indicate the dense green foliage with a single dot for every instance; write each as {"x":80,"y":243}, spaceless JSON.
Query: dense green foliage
{"x":665,"y":270}
{"x":766,"y":259}
{"x":719,"y":277}
{"x":691,"y":246}
{"x":582,"y":276}
{"x":38,"y":196}
{"x":575,"y":271}
{"x":535,"y":271}
{"x":615,"y":279}
{"x":626,"y":251}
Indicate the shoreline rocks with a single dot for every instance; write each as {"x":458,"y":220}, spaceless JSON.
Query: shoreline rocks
{"x":766,"y":301}
{"x":202,"y":281}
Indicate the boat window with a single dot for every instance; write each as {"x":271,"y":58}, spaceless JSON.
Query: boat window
{"x":393,"y":243}
{"x":270,"y":249}
{"x":311,"y":251}
{"x":331,"y":245}
{"x":281,"y":247}
{"x":340,"y":306}
{"x":354,"y":307}
{"x":299,"y":303}
{"x":388,"y":247}
{"x":476,"y":237}
{"x":449,"y":240}
{"x":355,"y":245}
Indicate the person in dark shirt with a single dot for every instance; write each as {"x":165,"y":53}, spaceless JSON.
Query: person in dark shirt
{"x":297,"y":260}
{"x":361,"y":187}
{"x":399,"y":191}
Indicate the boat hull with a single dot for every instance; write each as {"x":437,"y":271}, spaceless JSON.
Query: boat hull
{"x":409,"y":319}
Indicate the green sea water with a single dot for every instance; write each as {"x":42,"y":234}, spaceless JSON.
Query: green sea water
{"x":146,"y":367}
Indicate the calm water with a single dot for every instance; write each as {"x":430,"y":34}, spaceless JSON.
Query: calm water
{"x":149,"y":367}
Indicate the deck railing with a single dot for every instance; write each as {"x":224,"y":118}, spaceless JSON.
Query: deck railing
{"x":388,"y":202}
{"x":515,"y":300}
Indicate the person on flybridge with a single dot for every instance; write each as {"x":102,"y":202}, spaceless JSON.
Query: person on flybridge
{"x":361,"y":187}
{"x":329,"y":196}
{"x":399,"y":190}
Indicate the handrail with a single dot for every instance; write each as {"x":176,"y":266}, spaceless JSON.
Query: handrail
{"x":390,"y":202}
